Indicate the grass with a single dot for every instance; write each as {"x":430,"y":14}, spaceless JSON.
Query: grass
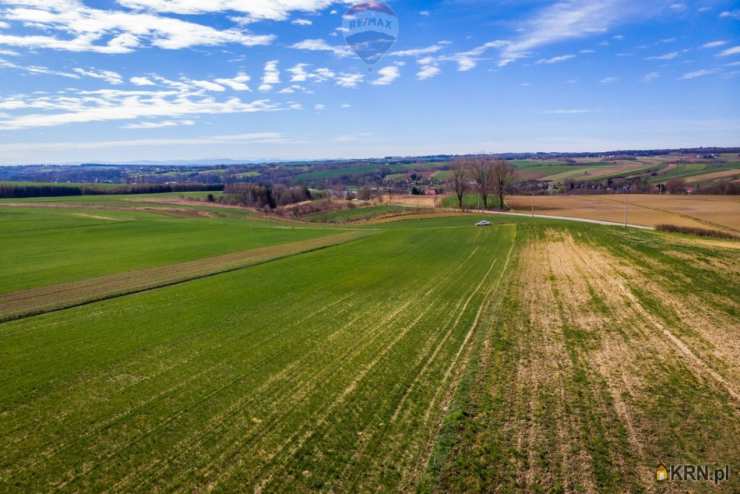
{"x":43,"y":246}
{"x":354,"y":214}
{"x":427,"y":355}
{"x":701,"y":232}
{"x":470,"y":201}
{"x":688,"y":170}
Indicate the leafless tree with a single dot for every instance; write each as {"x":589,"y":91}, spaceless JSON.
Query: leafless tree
{"x":480,"y":171}
{"x":458,"y":180}
{"x":502,"y":175}
{"x":676,"y":186}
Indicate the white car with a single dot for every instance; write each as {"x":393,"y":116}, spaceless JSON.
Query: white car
{"x":483,"y":223}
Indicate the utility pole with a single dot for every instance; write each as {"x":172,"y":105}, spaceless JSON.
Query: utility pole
{"x":531,"y":201}
{"x":626,"y":210}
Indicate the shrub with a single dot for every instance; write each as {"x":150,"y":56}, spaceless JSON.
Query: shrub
{"x":701,"y":232}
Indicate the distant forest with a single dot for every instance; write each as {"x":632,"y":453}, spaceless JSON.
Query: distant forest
{"x":18,"y":190}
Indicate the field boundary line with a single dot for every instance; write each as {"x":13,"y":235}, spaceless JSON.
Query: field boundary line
{"x":26,"y":303}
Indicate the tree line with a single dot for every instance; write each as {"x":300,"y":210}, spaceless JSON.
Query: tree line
{"x":481,"y":175}
{"x":21,"y":190}
{"x":265,"y":196}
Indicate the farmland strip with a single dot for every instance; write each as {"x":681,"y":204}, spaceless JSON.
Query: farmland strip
{"x":57,"y":297}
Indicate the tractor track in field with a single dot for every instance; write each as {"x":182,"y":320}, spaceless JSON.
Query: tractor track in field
{"x":453,"y":373}
{"x":304,"y":386}
{"x":364,"y":372}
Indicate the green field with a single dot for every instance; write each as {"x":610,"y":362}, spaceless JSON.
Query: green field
{"x":682,"y":171}
{"x":354,"y":214}
{"x":470,"y":201}
{"x":423,"y":355}
{"x":43,"y":246}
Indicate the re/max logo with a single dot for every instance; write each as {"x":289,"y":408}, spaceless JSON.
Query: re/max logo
{"x":371,"y":22}
{"x":693,"y":473}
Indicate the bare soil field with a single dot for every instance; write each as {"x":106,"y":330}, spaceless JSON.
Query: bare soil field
{"x":716,"y":212}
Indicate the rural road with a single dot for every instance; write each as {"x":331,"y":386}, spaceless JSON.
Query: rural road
{"x":549,"y":217}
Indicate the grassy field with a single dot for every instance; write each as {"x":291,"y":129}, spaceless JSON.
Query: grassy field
{"x":423,"y":355}
{"x":72,"y":241}
{"x":354,"y":214}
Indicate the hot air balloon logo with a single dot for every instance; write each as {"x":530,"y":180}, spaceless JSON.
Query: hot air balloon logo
{"x":370,"y":29}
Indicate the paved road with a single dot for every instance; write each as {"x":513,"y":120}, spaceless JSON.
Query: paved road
{"x":549,"y":217}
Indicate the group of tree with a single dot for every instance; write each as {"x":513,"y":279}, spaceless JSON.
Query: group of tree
{"x":266,"y":196}
{"x":482,"y":175}
{"x":19,"y":190}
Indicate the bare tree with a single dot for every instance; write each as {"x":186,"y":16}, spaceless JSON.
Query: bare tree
{"x":458,"y":180}
{"x":502,"y":176}
{"x":480,"y":171}
{"x":676,"y":186}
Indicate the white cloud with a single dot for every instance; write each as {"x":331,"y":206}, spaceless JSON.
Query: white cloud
{"x":8,"y":53}
{"x":609,"y":80}
{"x":37,"y":70}
{"x":349,"y":80}
{"x":346,"y":106}
{"x":322,"y":74}
{"x":275,"y":10}
{"x":698,"y":73}
{"x":141,"y":81}
{"x":468,"y":60}
{"x":558,"y":59}
{"x":271,"y":76}
{"x":428,"y":72}
{"x":650,"y":77}
{"x":319,"y":107}
{"x":86,"y":29}
{"x":730,"y":14}
{"x":238,"y":83}
{"x":77,"y":73}
{"x":106,"y":75}
{"x":417,"y":52}
{"x":4,"y":25}
{"x":298,"y":73}
{"x":667,"y":56}
{"x":322,"y":45}
{"x":119,"y":105}
{"x":160,"y":125}
{"x":387,"y":75}
{"x":566,"y":19}
{"x":425,"y":13}
{"x":735,"y":50}
{"x":714,"y":44}
{"x":302,"y":22}
{"x":207,"y":86}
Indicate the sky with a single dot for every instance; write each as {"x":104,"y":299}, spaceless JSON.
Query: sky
{"x":128,"y":80}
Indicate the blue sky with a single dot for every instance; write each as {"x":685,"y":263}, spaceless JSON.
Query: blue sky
{"x":125,"y":80}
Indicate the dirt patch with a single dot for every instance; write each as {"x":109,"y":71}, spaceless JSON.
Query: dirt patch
{"x":585,"y":307}
{"x":719,"y":212}
{"x":99,"y":217}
